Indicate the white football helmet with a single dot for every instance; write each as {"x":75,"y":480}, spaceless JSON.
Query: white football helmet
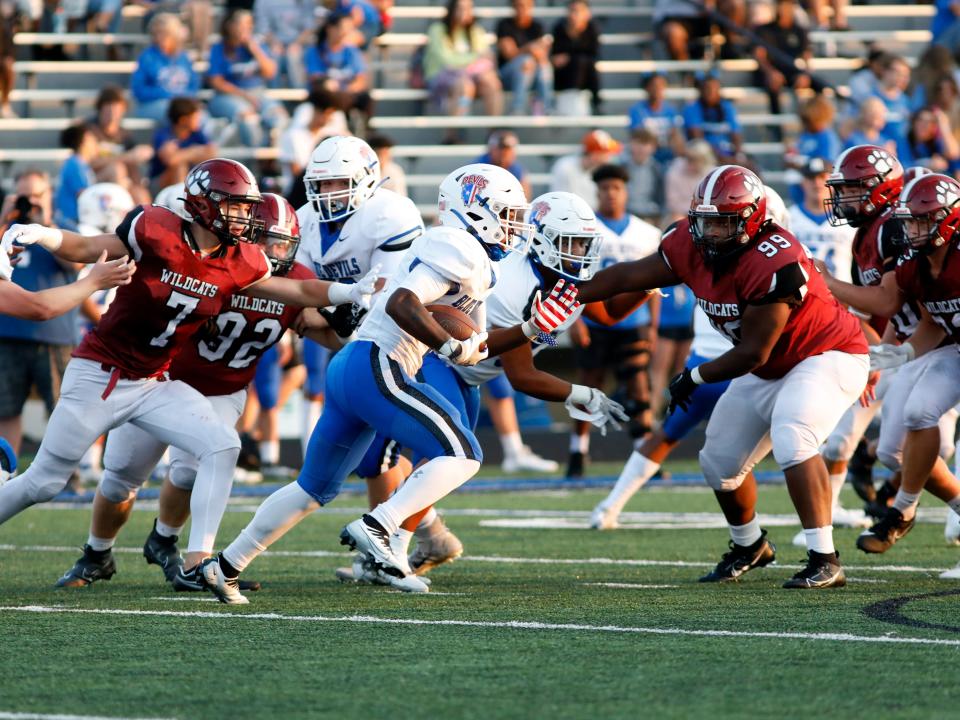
{"x":101,"y":207}
{"x":488,"y":202}
{"x":172,"y":197}
{"x":776,"y":209}
{"x":561,"y":224}
{"x":342,"y":157}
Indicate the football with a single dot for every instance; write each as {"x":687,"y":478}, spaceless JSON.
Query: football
{"x":456,"y":322}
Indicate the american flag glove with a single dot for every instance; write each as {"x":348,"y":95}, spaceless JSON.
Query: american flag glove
{"x":546,"y":315}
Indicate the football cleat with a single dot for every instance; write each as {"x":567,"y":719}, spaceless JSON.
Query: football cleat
{"x":436,"y":545}
{"x":860,"y":473}
{"x":604,"y":518}
{"x":951,"y":530}
{"x":951,"y":574}
{"x":163,"y":551}
{"x":226,"y":589}
{"x":885,"y":532}
{"x":822,"y":571}
{"x":371,"y":539}
{"x":363,"y":572}
{"x":885,"y":495}
{"x":187,"y":580}
{"x":844,"y":518}
{"x":528,"y":461}
{"x":739,"y":560}
{"x":93,"y":565}
{"x":576,"y":465}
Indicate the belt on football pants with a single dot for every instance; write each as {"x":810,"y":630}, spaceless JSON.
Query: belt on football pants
{"x":117,"y":374}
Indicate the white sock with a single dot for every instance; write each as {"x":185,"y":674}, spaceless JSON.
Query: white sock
{"x":270,"y":452}
{"x":100,"y":544}
{"x":820,"y":540}
{"x":208,"y":501}
{"x":427,"y":485}
{"x":512,"y":445}
{"x":580,"y":443}
{"x":836,"y":485}
{"x":164,"y":530}
{"x":906,"y":503}
{"x":278,"y":513}
{"x":311,"y":414}
{"x":428,"y":519}
{"x":401,"y":543}
{"x":955,"y":504}
{"x":746,"y":535}
{"x":635,"y":474}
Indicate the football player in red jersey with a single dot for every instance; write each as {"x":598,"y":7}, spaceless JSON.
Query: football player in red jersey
{"x":929,"y":275}
{"x":799,"y":360}
{"x":186,"y":274}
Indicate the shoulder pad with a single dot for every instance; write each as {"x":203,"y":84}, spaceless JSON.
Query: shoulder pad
{"x":394,"y":219}
{"x":453,"y":253}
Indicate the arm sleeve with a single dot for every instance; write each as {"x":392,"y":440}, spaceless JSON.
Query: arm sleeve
{"x":426,"y":283}
{"x":127,"y":232}
{"x":218,"y":65}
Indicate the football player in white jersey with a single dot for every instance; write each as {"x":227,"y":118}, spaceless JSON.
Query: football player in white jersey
{"x":370,"y":385}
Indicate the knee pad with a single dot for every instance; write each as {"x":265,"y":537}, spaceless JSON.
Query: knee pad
{"x":918,"y":417}
{"x":839,"y":447}
{"x":793,"y":444}
{"x":47,"y":476}
{"x":721,"y":473}
{"x":182,"y":476}
{"x":220,"y":438}
{"x":116,"y":488}
{"x":890,"y":458}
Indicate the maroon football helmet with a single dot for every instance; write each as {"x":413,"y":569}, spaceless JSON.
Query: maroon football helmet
{"x":865,"y":181}
{"x":215,"y":191}
{"x":913,"y":172}
{"x":728,"y":209}
{"x":929,"y":210}
{"x":277,"y":232}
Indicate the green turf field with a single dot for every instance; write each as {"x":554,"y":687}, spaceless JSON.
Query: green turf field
{"x":555,"y":623}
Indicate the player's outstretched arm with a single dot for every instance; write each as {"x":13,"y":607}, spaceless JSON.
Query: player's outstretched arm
{"x":759,"y":331}
{"x":63,"y":243}
{"x":648,"y":273}
{"x":615,"y":309}
{"x":882,"y":300}
{"x":318,"y":293}
{"x":53,"y":302}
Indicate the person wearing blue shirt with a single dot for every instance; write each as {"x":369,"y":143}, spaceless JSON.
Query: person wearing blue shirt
{"x":659,"y":117}
{"x":945,"y":26}
{"x":338,"y":65}
{"x":179,"y":145}
{"x":164,"y":70}
{"x":238,"y":73}
{"x":871,"y":120}
{"x":715,"y":120}
{"x":366,"y":18}
{"x":929,"y":142}
{"x":892,"y":93}
{"x":75,"y":174}
{"x":502,"y":152}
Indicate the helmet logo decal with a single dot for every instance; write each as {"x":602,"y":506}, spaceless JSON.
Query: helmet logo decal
{"x":881,"y":160}
{"x":470,"y":185}
{"x":753,"y":186}
{"x":946,"y":194}
{"x":538,"y":212}
{"x":197,"y":181}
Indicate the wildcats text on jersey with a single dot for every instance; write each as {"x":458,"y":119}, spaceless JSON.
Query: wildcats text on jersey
{"x":190,"y":284}
{"x":719,"y":310}
{"x":257,"y":305}
{"x":940,"y":307}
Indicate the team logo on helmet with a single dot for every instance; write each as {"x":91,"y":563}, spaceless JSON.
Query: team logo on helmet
{"x":198,"y":181}
{"x":538,"y":212}
{"x":470,"y":185}
{"x":753,"y":186}
{"x":881,"y":160}
{"x":946,"y":195}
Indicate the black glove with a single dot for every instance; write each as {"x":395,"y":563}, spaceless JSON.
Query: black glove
{"x":344,"y":319}
{"x":681,"y":388}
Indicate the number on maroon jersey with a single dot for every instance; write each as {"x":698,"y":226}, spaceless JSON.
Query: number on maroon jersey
{"x":184,"y":304}
{"x":773,"y":245}
{"x":232,"y":325}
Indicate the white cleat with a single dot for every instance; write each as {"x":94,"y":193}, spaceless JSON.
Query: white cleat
{"x":951,"y":574}
{"x":951,"y":531}
{"x":529,"y":461}
{"x":800,"y":540}
{"x":369,"y":538}
{"x":844,"y":518}
{"x":363,"y":573}
{"x":226,"y":589}
{"x":604,"y":518}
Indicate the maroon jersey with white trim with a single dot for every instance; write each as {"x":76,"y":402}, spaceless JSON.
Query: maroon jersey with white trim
{"x":174,"y":291}
{"x":247,"y":327}
{"x":941,"y":296}
{"x":774,"y":268}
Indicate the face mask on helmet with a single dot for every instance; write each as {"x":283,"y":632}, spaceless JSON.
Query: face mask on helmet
{"x":718,"y":236}
{"x":332,"y":197}
{"x":921,"y":233}
{"x":849,"y":202}
{"x":237,"y":220}
{"x":280,"y":249}
{"x":575,"y":257}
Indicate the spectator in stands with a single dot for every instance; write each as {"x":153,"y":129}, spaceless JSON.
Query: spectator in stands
{"x":33,"y":354}
{"x":323,"y":118}
{"x":180,"y":145}
{"x":623,"y":348}
{"x":574,"y":54}
{"x":818,"y":14}
{"x":945,"y":27}
{"x":674,"y":337}
{"x":394,"y":177}
{"x":714,"y":119}
{"x":76,"y":174}
{"x":502,"y":152}
{"x":683,"y":27}
{"x":785,"y":51}
{"x":523,"y":59}
{"x":11,"y":20}
{"x":930,"y":142}
{"x":683,"y":176}
{"x":339,"y":65}
{"x":818,"y":139}
{"x":164,"y":70}
{"x":946,"y":97}
{"x":239,"y":71}
{"x":458,"y":65}
{"x":574,"y":173}
{"x":864,"y":82}
{"x":287,"y":27}
{"x":935,"y":63}
{"x":892,"y":92}
{"x":658,"y":116}
{"x":870,"y":126}
{"x":117,"y":144}
{"x":645,"y":189}
{"x":367,"y":23}
{"x":104,"y":16}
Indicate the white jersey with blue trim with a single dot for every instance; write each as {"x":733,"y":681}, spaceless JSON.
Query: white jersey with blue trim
{"x":445,"y":266}
{"x":379,"y":232}
{"x":509,"y":304}
{"x":833,"y":245}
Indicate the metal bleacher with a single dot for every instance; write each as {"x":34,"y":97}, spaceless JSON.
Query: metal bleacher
{"x":51,"y":95}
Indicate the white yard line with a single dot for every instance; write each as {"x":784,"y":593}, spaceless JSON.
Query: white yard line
{"x":41,"y":716}
{"x":638,"y":586}
{"x":504,"y":625}
{"x":626,"y":562}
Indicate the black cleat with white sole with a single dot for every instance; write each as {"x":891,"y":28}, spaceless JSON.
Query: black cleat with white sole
{"x":163,"y":551}
{"x":739,"y":560}
{"x":93,"y":565}
{"x":885,"y":532}
{"x":822,"y":571}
